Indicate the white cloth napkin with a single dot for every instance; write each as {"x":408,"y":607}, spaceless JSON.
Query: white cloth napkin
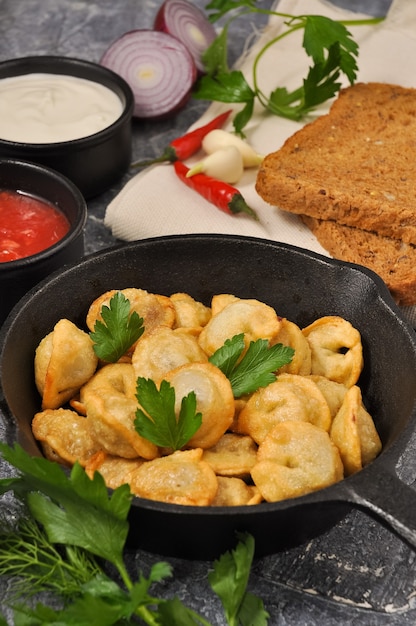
{"x":155,"y":202}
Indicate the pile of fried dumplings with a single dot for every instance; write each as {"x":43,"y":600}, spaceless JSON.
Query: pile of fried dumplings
{"x":305,"y":431}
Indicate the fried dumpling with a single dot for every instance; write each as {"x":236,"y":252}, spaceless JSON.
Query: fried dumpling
{"x":336,"y":349}
{"x":64,"y":361}
{"x":294,"y":459}
{"x":251,"y":317}
{"x":111,"y":407}
{"x":164,"y":349}
{"x":289,"y":398}
{"x":155,"y":310}
{"x":179,"y":478}
{"x":214,"y":399}
{"x":65,"y":436}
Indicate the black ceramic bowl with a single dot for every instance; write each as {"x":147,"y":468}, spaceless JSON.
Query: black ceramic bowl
{"x":94,"y":162}
{"x":18,"y":277}
{"x":301,"y":286}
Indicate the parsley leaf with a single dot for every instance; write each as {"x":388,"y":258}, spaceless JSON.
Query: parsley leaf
{"x":225,"y":87}
{"x":158,"y":422}
{"x":73,"y":510}
{"x":326,"y":42}
{"x":256,"y":368}
{"x":229,"y":580}
{"x":118,"y":331}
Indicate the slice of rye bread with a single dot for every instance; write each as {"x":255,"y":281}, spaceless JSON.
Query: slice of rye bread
{"x":354,"y":165}
{"x":394,"y":261}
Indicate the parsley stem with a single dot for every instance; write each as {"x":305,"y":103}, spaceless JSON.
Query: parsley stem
{"x":260,"y":95}
{"x":121,"y":568}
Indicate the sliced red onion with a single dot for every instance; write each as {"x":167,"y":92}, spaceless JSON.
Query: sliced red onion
{"x":157,"y":66}
{"x":189,"y":24}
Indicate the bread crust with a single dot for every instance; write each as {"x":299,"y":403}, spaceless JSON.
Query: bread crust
{"x":393,"y":260}
{"x":355,"y":165}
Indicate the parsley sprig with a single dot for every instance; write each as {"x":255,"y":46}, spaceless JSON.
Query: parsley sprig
{"x":118,"y":331}
{"x":326,"y":42}
{"x":256,"y":368}
{"x":70,"y":521}
{"x":156,"y":418}
{"x":158,"y":422}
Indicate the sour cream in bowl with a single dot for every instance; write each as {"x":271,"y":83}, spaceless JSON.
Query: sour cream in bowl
{"x":68,"y":114}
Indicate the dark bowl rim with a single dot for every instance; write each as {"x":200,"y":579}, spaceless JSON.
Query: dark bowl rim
{"x":73,"y":62}
{"x":75,"y":228}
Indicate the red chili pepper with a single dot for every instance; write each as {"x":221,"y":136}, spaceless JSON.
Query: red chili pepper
{"x":224,"y":196}
{"x":184,"y":147}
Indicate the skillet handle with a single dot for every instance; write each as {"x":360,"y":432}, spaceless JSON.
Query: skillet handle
{"x":390,"y":500}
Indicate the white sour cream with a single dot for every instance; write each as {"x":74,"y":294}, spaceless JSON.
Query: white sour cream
{"x":49,"y":108}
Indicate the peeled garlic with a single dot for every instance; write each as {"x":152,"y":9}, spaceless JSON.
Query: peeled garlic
{"x":218,"y":138}
{"x":224,"y":164}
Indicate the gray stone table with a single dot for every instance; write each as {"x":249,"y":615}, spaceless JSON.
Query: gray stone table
{"x":358,"y":573}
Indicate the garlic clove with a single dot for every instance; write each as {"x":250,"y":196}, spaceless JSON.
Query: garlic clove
{"x":225,"y":164}
{"x":218,"y":139}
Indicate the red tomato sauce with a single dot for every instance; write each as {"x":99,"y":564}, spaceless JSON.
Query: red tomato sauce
{"x":28,"y":225}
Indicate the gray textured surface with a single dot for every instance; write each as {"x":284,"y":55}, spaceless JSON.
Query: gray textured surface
{"x":358,"y":573}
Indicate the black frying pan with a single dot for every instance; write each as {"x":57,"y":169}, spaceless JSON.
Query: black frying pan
{"x":299,"y":285}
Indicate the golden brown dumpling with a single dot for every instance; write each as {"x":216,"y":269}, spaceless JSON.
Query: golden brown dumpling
{"x":291,"y":335}
{"x":251,"y":317}
{"x":115,"y":470}
{"x":179,"y":478}
{"x":64,"y":361}
{"x":235,"y":492}
{"x":190,"y":313}
{"x":111,"y":410}
{"x":336,"y":349}
{"x":65,"y":436}
{"x":354,"y":433}
{"x":294,"y":459}
{"x":214,"y":399}
{"x":233,"y":455}
{"x":155,"y":310}
{"x":164,"y":349}
{"x":289,"y":398}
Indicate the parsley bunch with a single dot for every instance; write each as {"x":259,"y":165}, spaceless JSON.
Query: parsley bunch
{"x":328,"y":43}
{"x":74,"y":529}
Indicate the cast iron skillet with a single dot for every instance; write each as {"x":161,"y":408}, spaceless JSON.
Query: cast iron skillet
{"x":301,"y":286}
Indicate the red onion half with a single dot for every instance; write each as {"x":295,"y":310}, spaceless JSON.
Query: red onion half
{"x":157,"y":66}
{"x":188,"y":23}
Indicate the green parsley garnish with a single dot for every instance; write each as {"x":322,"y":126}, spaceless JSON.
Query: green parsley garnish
{"x":229,"y":580}
{"x":257,"y":367}
{"x":71,"y":520}
{"x":326,"y":42}
{"x":118,"y":331}
{"x":159,"y":423}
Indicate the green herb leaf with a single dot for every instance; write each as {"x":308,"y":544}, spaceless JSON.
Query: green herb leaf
{"x":119,"y":330}
{"x":33,"y":564}
{"x":224,"y":87}
{"x":258,"y":365}
{"x":226,"y":357}
{"x":229,"y":580}
{"x":215,"y":57}
{"x":174,"y":612}
{"x":74,"y":510}
{"x":321,"y":33}
{"x":158,"y":422}
{"x":221,"y":7}
{"x":256,"y":368}
{"x":327,"y":42}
